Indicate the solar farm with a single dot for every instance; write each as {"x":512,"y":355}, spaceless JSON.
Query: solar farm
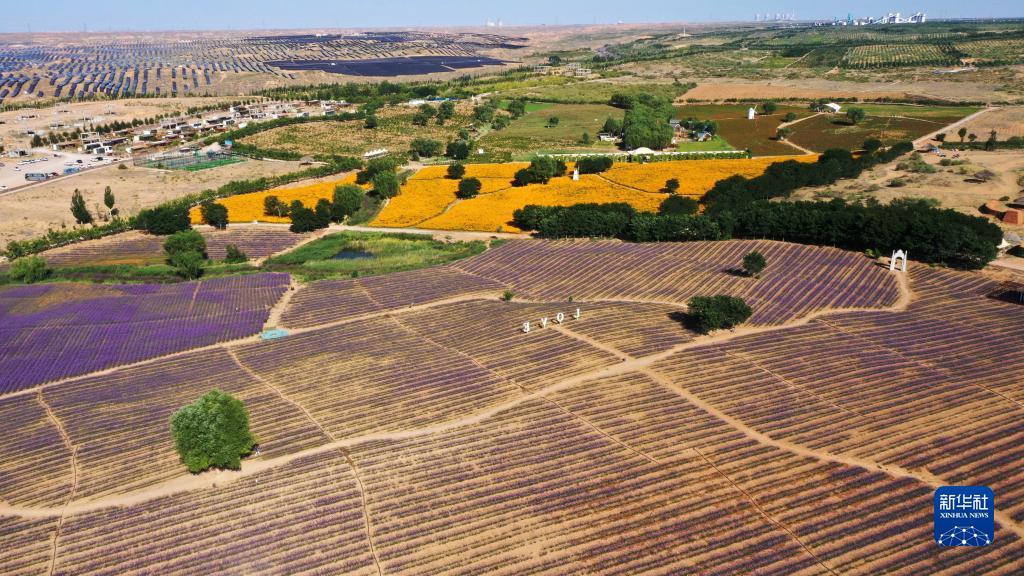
{"x":407,"y":424}
{"x":209,"y":64}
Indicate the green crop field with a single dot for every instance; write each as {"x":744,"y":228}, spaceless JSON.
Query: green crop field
{"x":888,"y":123}
{"x":756,"y":135}
{"x":532,"y":132}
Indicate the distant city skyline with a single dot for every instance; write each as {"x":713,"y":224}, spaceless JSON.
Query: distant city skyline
{"x":102,"y":15}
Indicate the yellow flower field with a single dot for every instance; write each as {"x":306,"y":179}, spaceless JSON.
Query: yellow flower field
{"x":489,"y":212}
{"x":695,"y":176}
{"x":249,"y":207}
{"x":428,"y":199}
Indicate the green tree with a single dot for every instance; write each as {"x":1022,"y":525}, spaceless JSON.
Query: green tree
{"x":769,"y":107}
{"x":108,"y":199}
{"x":214,"y":214}
{"x":754,"y":263}
{"x":962,"y":133}
{"x":972,"y":137}
{"x":272,"y":206}
{"x":783,"y":133}
{"x":164,"y":219}
{"x":594,"y":164}
{"x":348,"y":199}
{"x":374,"y":167}
{"x":612,"y":126}
{"x":646,"y":127}
{"x":500,"y":122}
{"x":710,"y":313}
{"x":188,"y":265}
{"x":789,"y":117}
{"x":456,"y":170}
{"x":457,"y":150}
{"x":78,"y":209}
{"x":586,"y":140}
{"x":446,"y":110}
{"x":323,"y":213}
{"x":212,"y":432}
{"x":679,"y":205}
{"x":468,"y":188}
{"x":303,"y":219}
{"x":370,"y":122}
{"x":425,"y":147}
{"x":385,"y":184}
{"x":29,"y":269}
{"x":941,"y":136}
{"x":37,"y":141}
{"x":484,"y":113}
{"x":234,"y":255}
{"x":855,"y":115}
{"x":185,"y":241}
{"x":672,"y":185}
{"x":517,"y":108}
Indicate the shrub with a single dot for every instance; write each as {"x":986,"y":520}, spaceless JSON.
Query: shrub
{"x":710,"y":313}
{"x":214,"y":214}
{"x":235,"y":255}
{"x":348,"y":198}
{"x":456,"y":170}
{"x":188,"y":265}
{"x":78,"y":209}
{"x":165,"y":219}
{"x":212,"y":432}
{"x":468,"y":188}
{"x":594,"y":164}
{"x":185,"y":241}
{"x":541,"y":170}
{"x":29,"y":269}
{"x":754,"y":263}
{"x":508,"y":295}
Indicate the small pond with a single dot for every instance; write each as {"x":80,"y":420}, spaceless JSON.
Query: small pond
{"x":352,"y":255}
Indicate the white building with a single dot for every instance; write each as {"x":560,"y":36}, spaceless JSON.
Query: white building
{"x":751,"y":113}
{"x":832,"y":107}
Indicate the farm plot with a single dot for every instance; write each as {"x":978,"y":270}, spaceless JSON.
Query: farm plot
{"x":537,"y":478}
{"x":888,"y":123}
{"x":35,"y":461}
{"x":119,"y":421}
{"x":888,"y":55}
{"x":303,"y":518}
{"x":136,"y":248}
{"x":247,"y":208}
{"x":757,"y":135}
{"x":330,"y":301}
{"x":54,"y":331}
{"x":803,"y":279}
{"x":812,"y":497}
{"x":533,"y":132}
{"x":31,"y":539}
{"x":374,"y":376}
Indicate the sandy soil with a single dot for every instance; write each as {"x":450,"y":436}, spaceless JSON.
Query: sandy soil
{"x":949,"y":185}
{"x":1006,"y":122}
{"x":29,"y":212}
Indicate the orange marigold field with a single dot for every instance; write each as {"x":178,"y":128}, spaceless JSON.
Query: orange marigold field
{"x":428,"y":199}
{"x":249,"y":207}
{"x":695,"y":176}
{"x":491,"y":212}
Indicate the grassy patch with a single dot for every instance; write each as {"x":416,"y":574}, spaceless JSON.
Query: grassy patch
{"x":715,"y":143}
{"x":533,"y":133}
{"x":370,"y":253}
{"x":594,"y":91}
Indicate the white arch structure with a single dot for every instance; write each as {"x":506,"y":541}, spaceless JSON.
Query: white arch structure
{"x":898,"y":255}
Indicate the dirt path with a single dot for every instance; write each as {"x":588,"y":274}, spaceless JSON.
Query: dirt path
{"x":278,"y":310}
{"x":948,"y":129}
{"x":74,"y":478}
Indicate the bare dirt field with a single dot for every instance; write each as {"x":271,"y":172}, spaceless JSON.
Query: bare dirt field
{"x":722,"y":88}
{"x":952,"y":186}
{"x":29,"y":212}
{"x":1006,"y":122}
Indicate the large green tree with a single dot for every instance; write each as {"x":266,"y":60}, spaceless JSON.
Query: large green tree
{"x":212,"y":432}
{"x":78,"y":208}
{"x":348,"y":199}
{"x":717,"y":312}
{"x":646,"y":127}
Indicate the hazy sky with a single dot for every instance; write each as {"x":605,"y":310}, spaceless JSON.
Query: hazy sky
{"x":56,"y":15}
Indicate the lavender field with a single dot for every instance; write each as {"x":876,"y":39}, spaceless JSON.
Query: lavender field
{"x":53,"y":331}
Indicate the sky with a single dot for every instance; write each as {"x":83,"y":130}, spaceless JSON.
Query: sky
{"x":100,"y":15}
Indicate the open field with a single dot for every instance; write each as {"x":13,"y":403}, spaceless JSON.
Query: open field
{"x":951,"y":186}
{"x":394,"y":131}
{"x":408,"y":426}
{"x":245,"y":208}
{"x":889,"y":123}
{"x":532,"y":134}
{"x":29,"y":212}
{"x":757,"y":135}
{"x":1007,"y":122}
{"x":428,"y":198}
